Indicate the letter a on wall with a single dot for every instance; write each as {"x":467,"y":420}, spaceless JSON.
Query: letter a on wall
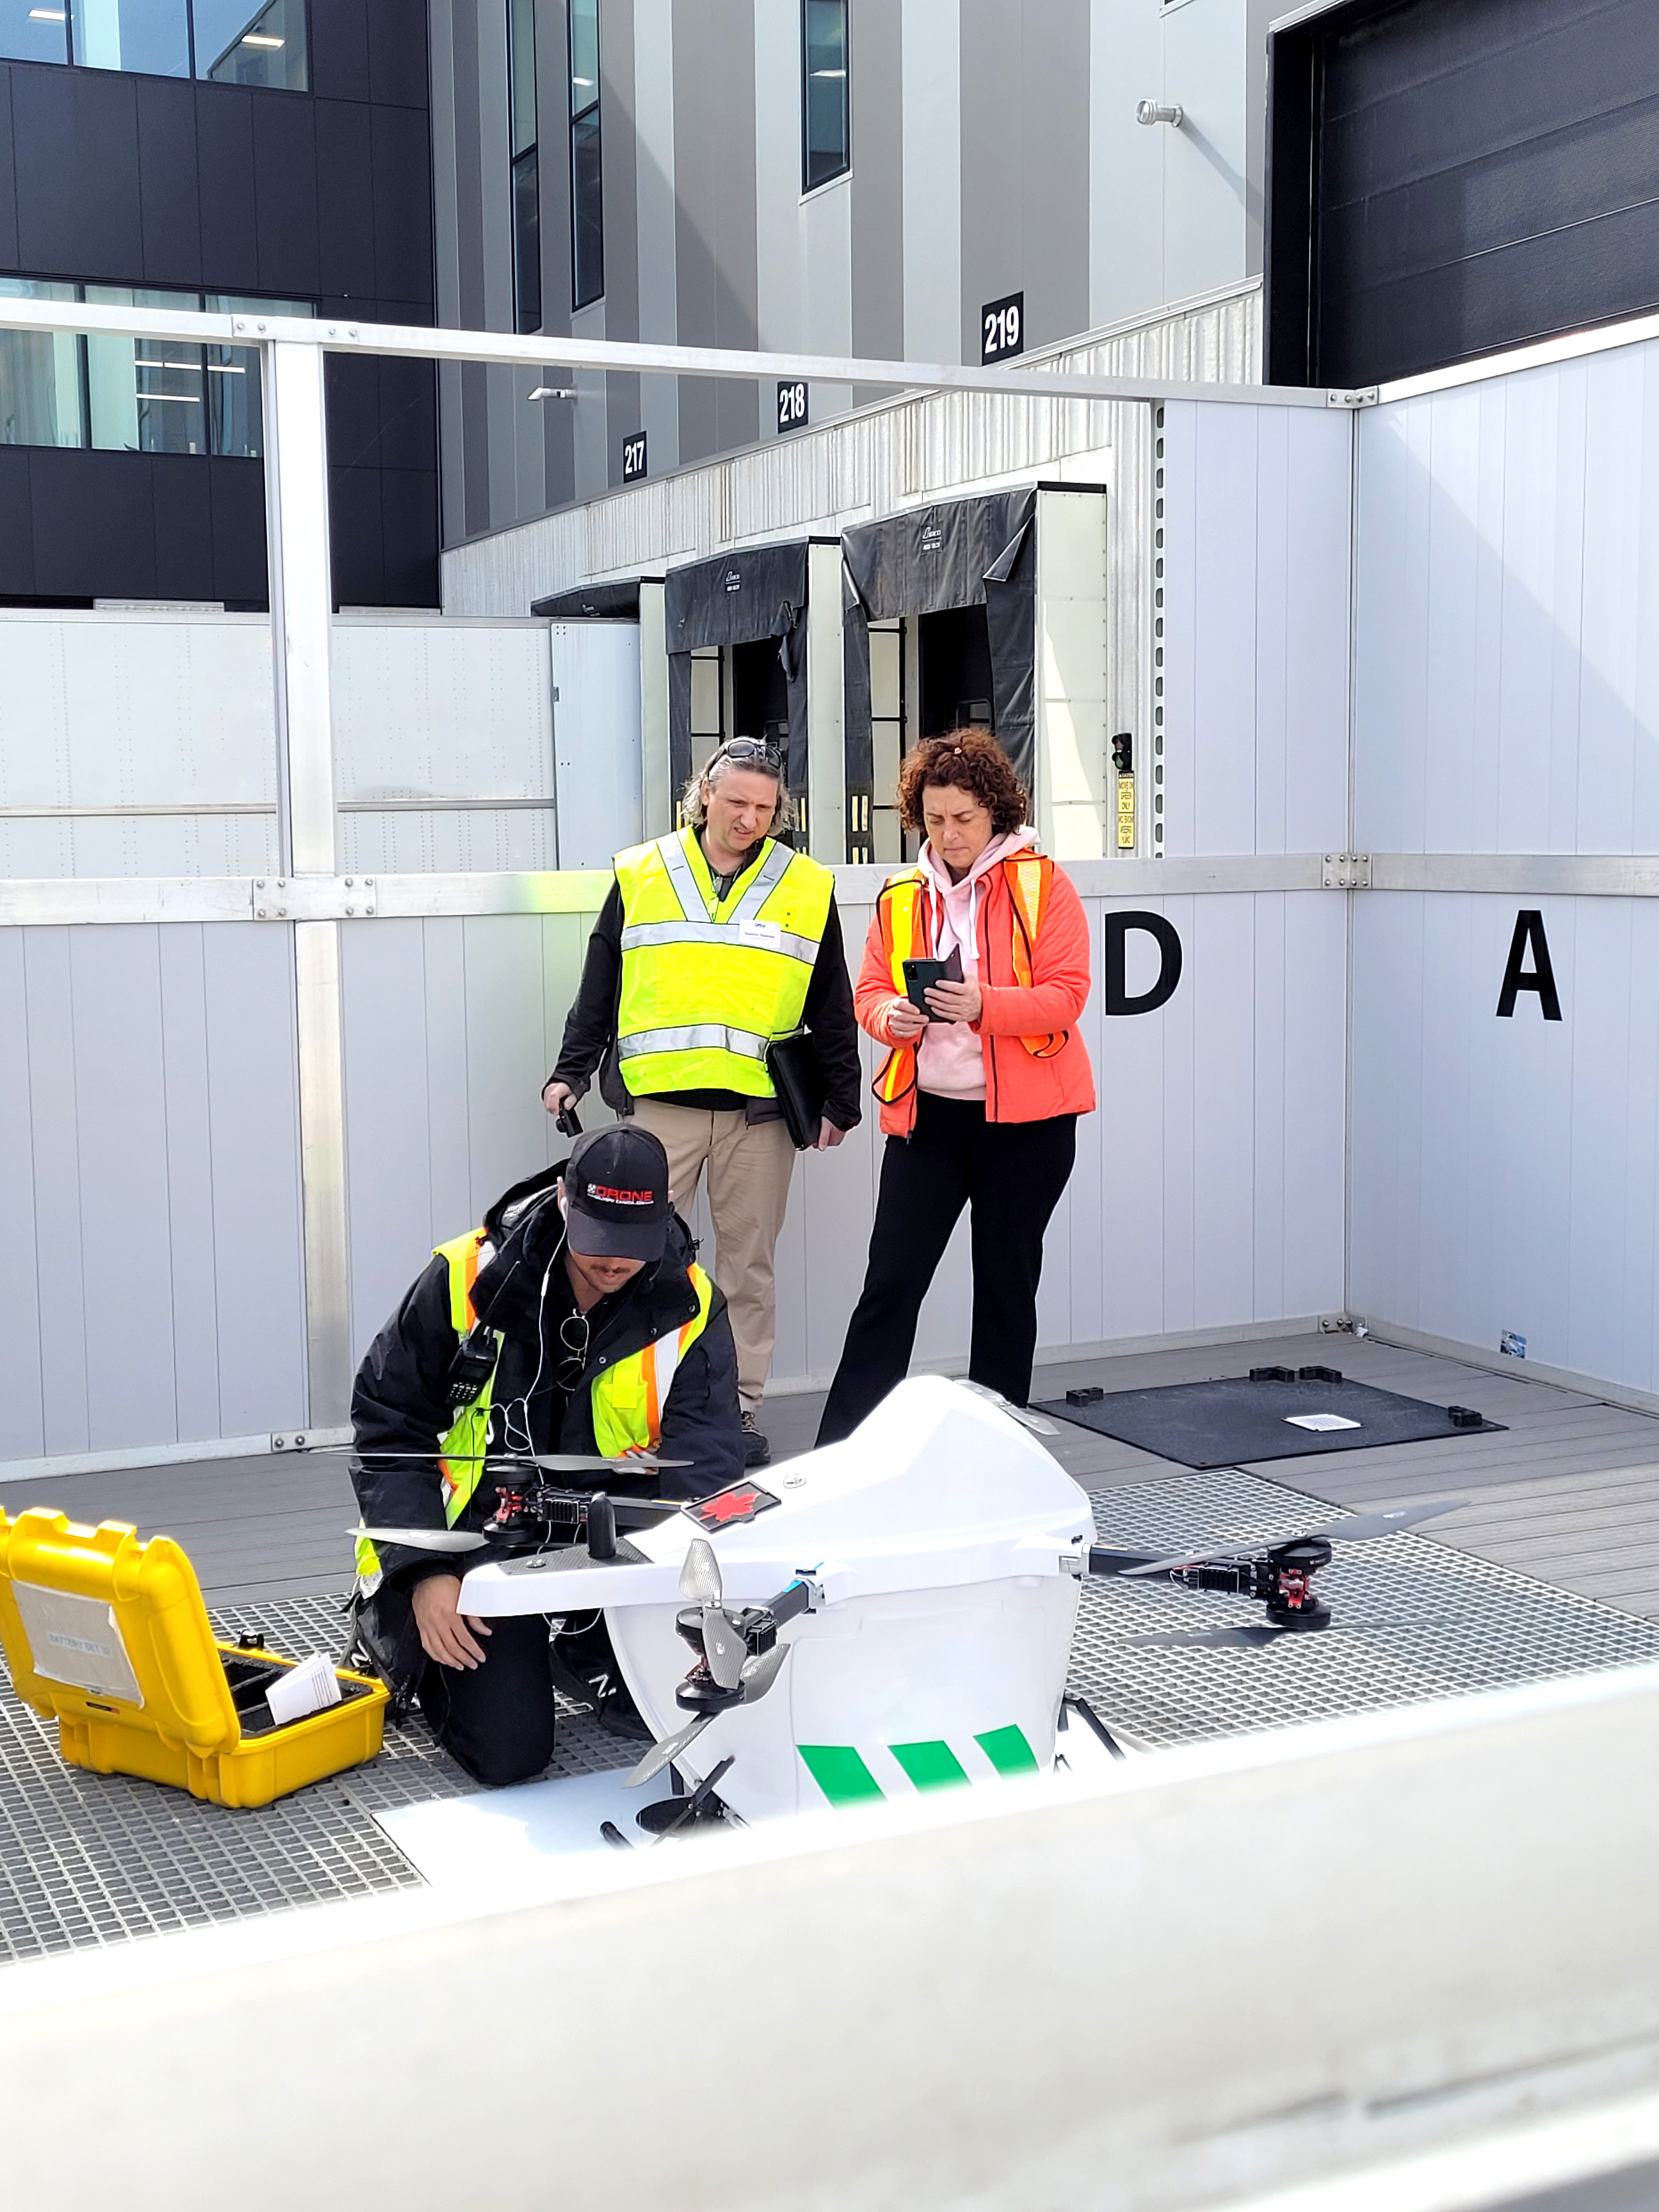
{"x":1540,"y":977}
{"x":1117,"y":999}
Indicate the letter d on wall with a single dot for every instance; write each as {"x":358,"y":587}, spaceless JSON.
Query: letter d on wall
{"x":1163,"y":932}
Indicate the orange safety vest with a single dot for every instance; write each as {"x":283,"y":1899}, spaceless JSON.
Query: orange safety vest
{"x":1028,"y":875}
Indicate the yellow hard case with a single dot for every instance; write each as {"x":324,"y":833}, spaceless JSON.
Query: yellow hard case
{"x":110,"y":1637}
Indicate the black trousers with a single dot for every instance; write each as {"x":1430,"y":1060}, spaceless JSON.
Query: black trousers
{"x":497,"y":1719}
{"x":1011,"y":1175}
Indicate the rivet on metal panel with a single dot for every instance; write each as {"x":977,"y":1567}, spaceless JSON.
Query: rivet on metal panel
{"x":351,"y":909}
{"x":1346,"y":871}
{"x":258,"y":913}
{"x":368,"y":909}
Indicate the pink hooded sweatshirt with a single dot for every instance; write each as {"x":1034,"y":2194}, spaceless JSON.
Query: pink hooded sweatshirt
{"x":949,"y":1058}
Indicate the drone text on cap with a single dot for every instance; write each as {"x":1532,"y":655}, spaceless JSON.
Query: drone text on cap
{"x":616,"y":1188}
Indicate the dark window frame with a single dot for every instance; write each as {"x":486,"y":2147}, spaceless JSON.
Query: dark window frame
{"x":586,"y":172}
{"x":523,"y":171}
{"x":809,"y":183}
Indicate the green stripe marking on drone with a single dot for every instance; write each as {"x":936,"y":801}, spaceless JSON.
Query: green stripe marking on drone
{"x":930,"y":1765}
{"x":844,"y":1779}
{"x":839,"y":1773}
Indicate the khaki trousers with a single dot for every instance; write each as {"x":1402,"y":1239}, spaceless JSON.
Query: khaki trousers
{"x":749,"y":1165}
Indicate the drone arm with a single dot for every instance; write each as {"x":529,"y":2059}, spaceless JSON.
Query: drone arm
{"x":1105,"y":1560}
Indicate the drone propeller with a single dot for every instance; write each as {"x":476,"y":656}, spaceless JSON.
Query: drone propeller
{"x":424,"y":1539}
{"x":755,"y":1677}
{"x":722,"y":1641}
{"x":642,"y":1462}
{"x":1027,"y":1419}
{"x":1352,"y":1529}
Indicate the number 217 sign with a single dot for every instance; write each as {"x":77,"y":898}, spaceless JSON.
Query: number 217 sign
{"x":1002,"y":328}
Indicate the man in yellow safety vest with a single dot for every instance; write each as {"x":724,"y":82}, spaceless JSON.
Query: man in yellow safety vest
{"x":575,"y":1319}
{"x":713,"y":943}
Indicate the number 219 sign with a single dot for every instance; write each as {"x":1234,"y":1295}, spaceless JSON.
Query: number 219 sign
{"x":1002,"y":328}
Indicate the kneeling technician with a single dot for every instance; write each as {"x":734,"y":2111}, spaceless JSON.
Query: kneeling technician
{"x":575,"y":1320}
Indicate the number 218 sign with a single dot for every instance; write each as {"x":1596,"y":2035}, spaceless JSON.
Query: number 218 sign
{"x":792,"y":405}
{"x":1002,"y":328}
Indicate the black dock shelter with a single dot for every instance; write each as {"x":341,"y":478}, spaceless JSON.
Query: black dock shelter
{"x":751,"y":602}
{"x":965,"y":572}
{"x":593,"y":603}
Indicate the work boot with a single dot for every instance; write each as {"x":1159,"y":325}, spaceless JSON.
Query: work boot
{"x":756,"y":1452}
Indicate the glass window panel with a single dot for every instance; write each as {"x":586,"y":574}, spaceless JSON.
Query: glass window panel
{"x":30,"y":32}
{"x":245,"y":42}
{"x":584,"y":55}
{"x":526,"y":243}
{"x":235,"y":415}
{"x":147,"y":395}
{"x":587,"y":210}
{"x":825,"y":104}
{"x":151,"y":35}
{"x":40,"y":402}
{"x":521,"y":33}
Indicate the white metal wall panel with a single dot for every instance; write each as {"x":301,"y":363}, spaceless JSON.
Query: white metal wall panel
{"x":451,"y":1029}
{"x":1504,"y":1170}
{"x":100,"y":714}
{"x":1507,"y":689}
{"x":445,"y":711}
{"x":154,"y":1187}
{"x":596,"y":740}
{"x":1255,"y":673}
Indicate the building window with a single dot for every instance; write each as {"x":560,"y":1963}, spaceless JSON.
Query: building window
{"x":260,"y":42}
{"x":826,"y":134}
{"x":241,"y":42}
{"x":132,"y":395}
{"x":526,"y":174}
{"x":586,"y":180}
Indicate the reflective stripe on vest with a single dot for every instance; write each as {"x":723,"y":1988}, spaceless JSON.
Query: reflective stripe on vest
{"x":1028,"y":875}
{"x":463,"y":1442}
{"x":627,"y":1399}
{"x":708,"y":984}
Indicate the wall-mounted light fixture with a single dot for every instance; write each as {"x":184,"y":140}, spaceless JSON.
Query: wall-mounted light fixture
{"x":1155,"y":111}
{"x":551,"y":391}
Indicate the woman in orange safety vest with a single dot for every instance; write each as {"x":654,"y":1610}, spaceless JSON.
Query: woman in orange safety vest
{"x":979,"y":1095}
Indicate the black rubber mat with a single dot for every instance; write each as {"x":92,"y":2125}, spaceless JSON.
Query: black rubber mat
{"x":1240,"y":1419}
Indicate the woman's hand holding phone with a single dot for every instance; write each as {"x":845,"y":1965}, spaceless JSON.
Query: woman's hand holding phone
{"x":905,"y":1020}
{"x":954,"y":1002}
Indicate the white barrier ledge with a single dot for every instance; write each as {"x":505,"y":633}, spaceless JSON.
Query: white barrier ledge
{"x":1262,"y":1966}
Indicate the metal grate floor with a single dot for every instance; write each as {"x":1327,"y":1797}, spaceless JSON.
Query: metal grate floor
{"x":88,"y":1859}
{"x":91,"y":1859}
{"x":1412,"y":1620}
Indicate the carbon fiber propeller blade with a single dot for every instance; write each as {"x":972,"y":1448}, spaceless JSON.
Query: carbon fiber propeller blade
{"x":666,"y":1753}
{"x":723,"y":1648}
{"x":761,"y":1671}
{"x":425,"y":1540}
{"x":551,"y":1462}
{"x":1355,"y":1528}
{"x":1352,"y":1529}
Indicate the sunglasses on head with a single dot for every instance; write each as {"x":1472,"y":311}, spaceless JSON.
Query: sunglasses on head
{"x":748,"y":748}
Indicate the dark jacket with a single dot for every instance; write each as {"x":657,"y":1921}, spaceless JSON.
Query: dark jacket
{"x":401,"y":1403}
{"x":590,"y":1031}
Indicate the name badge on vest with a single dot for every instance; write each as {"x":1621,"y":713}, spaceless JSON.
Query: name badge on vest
{"x":766,"y":934}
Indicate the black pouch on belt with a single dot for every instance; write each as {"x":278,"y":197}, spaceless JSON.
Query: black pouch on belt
{"x":792,"y":1065}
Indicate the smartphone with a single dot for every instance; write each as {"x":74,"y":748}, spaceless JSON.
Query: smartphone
{"x":567,"y":1123}
{"x":920,"y":976}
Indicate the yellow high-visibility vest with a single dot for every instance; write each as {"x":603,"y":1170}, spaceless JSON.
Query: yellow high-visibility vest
{"x":627,"y":1398}
{"x":709,"y":983}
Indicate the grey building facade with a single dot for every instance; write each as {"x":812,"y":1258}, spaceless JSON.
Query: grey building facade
{"x":992,"y":152}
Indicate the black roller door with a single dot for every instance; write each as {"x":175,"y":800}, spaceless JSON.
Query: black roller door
{"x":1451,"y":177}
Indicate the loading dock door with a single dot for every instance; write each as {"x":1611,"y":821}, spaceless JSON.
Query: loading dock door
{"x":1445,"y":181}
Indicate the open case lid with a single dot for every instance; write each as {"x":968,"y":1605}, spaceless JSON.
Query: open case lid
{"x":94,"y":1622}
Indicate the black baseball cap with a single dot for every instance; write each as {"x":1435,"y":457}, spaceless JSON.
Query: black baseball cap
{"x":615,"y":1189}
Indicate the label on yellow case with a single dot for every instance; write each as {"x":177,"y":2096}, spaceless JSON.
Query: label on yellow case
{"x":1125,"y":814}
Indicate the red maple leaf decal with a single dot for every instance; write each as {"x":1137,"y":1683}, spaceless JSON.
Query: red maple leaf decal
{"x":728,"y":1507}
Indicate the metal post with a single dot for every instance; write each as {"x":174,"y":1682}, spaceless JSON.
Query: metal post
{"x":657,"y":774}
{"x":826,"y":723}
{"x":302,"y":626}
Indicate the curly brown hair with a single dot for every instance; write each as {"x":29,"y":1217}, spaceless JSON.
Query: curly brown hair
{"x":969,"y":760}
